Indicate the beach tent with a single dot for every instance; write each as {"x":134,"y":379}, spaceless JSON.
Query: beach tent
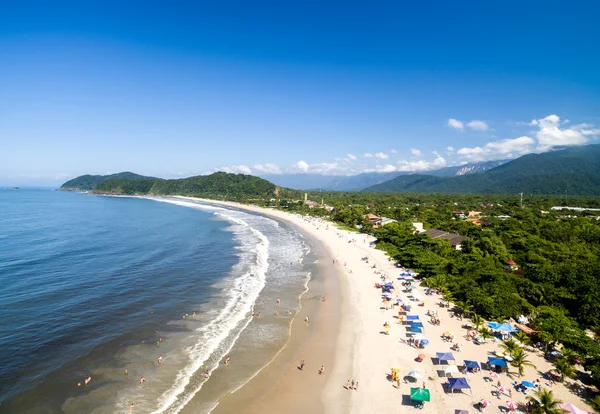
{"x":498,"y":362}
{"x":472,"y":364}
{"x":494,"y":325}
{"x":506,"y":327}
{"x":420,"y":394}
{"x":412,"y":318}
{"x":451,"y":369}
{"x":444,"y":356}
{"x":458,"y":384}
{"x":570,"y":408}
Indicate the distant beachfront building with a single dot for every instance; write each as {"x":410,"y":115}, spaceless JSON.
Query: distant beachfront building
{"x":511,"y":266}
{"x":458,"y":214}
{"x":455,"y":239}
{"x":418,"y":227}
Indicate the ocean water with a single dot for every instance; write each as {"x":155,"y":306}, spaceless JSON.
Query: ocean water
{"x":95,"y":286}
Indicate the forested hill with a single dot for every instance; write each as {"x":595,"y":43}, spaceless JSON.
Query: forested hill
{"x":89,"y":182}
{"x":219,"y":184}
{"x":574,"y":170}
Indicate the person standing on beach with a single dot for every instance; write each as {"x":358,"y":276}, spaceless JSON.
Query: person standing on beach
{"x":352,"y":384}
{"x":356,"y":385}
{"x":131,"y":408}
{"x":348,"y":385}
{"x":159,"y":360}
{"x":322,"y":370}
{"x":302,"y":365}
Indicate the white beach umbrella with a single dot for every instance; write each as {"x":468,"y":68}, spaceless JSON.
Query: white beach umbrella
{"x":414,"y":374}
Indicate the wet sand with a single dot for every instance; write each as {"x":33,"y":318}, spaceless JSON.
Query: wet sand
{"x":282,"y":386}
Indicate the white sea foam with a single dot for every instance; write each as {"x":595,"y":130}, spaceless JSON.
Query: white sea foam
{"x":233,"y":318}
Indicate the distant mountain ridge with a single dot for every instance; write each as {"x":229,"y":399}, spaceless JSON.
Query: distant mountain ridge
{"x":361,"y":181}
{"x":575,"y":170}
{"x":218,"y":185}
{"x":90,"y":182}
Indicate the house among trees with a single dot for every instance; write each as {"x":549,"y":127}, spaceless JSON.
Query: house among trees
{"x":458,"y":214}
{"x":476,"y":221}
{"x":511,"y":266}
{"x":455,"y":239}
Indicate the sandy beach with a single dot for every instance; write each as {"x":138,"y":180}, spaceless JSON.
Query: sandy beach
{"x":346,"y":335}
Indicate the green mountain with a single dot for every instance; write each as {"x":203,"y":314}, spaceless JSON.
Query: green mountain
{"x":219,"y":184}
{"x":574,"y":170}
{"x":90,"y":182}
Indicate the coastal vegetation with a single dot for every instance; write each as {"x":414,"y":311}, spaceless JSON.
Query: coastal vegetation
{"x":220,"y":185}
{"x":90,"y":182}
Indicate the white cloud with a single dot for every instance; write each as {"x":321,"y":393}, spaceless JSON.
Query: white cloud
{"x":422,"y":165}
{"x":352,"y":157}
{"x":381,"y":155}
{"x":476,"y":125}
{"x":415,"y":152}
{"x":385,"y":168}
{"x":456,"y":124}
{"x":368,"y":155}
{"x":268,"y":168}
{"x":495,"y":149}
{"x":450,"y":149}
{"x":233,"y":169}
{"x":550,"y":134}
{"x":302,"y":166}
{"x":393,"y":151}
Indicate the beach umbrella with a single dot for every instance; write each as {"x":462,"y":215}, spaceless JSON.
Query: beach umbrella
{"x":414,"y":374}
{"x":422,"y":356}
{"x":493,"y":374}
{"x":448,"y":333}
{"x":485,"y":403}
{"x":512,"y":405}
{"x":398,"y":300}
{"x":570,"y":408}
{"x":527,"y":384}
{"x":420,"y":394}
{"x":502,"y":390}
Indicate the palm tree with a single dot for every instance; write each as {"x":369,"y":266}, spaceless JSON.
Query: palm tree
{"x":564,"y":367}
{"x":486,"y":333}
{"x":522,"y":337}
{"x":596,"y":403}
{"x":509,"y":346}
{"x":569,"y":354}
{"x":520,"y":361}
{"x":543,"y":402}
{"x":477,"y":321}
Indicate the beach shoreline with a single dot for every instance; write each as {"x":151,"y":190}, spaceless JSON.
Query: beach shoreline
{"x":366,"y":352}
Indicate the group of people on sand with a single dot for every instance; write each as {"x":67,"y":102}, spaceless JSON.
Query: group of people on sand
{"x":352,"y":385}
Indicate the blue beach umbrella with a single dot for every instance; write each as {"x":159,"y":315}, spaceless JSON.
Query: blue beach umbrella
{"x":528,"y":384}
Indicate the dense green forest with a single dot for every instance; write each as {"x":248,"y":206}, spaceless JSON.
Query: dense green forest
{"x":219,"y":185}
{"x":574,"y":170}
{"x":90,"y":182}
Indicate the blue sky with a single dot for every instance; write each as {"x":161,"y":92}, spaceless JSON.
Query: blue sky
{"x":183,"y":88}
